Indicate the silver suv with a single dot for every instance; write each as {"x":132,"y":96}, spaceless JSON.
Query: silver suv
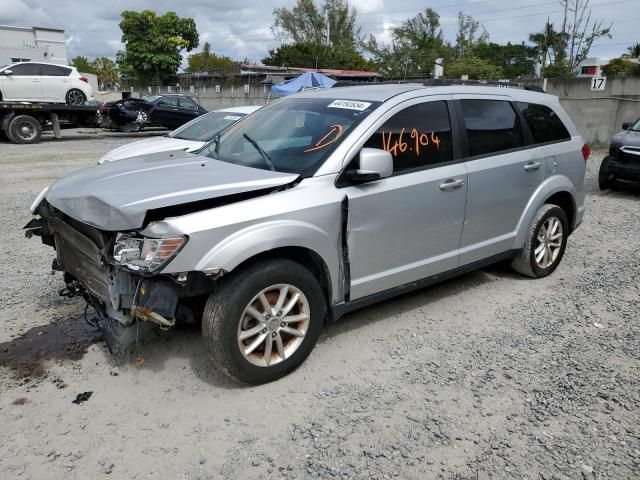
{"x":316,"y":205}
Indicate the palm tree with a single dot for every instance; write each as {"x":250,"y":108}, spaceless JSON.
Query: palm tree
{"x":634,"y":51}
{"x":106,"y":71}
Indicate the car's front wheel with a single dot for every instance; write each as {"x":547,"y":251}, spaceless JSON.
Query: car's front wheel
{"x":545,"y":244}
{"x":264,"y":320}
{"x":75,"y":97}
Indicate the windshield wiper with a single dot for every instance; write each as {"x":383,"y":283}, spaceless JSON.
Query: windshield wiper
{"x":264,"y":154}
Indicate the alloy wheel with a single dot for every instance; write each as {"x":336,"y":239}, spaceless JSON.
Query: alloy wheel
{"x":273,"y":325}
{"x":548,"y":242}
{"x":76,"y":97}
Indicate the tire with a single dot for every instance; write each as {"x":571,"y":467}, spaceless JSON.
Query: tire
{"x":526,"y":263}
{"x":24,"y":129}
{"x":75,"y":97}
{"x":604,"y":177}
{"x":225,"y":318}
{"x":4,"y":137}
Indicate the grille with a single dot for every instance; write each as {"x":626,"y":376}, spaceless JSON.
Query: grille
{"x":629,"y":155}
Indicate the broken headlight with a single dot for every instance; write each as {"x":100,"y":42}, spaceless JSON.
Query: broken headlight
{"x":145,"y":254}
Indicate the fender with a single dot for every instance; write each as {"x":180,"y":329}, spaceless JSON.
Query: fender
{"x":551,"y":186}
{"x":260,"y":238}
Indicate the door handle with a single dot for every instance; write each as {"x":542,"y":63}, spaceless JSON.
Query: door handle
{"x":532,"y":166}
{"x":451,"y":184}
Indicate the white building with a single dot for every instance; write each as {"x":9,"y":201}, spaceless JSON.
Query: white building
{"x":32,"y":44}
{"x":591,"y":67}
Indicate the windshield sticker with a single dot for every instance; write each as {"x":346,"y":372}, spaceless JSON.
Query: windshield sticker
{"x":300,"y":117}
{"x":350,"y":105}
{"x":232,"y":117}
{"x":334,"y":134}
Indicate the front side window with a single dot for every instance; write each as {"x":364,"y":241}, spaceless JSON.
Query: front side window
{"x":205,"y":127}
{"x":26,"y":69}
{"x":419,"y":136}
{"x":290,"y":135}
{"x":492,"y":126}
{"x":168,"y":101}
{"x":543,"y":122}
{"x":635,"y":127}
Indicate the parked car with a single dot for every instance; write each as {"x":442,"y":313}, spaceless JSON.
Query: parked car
{"x":43,"y":82}
{"x":169,"y":111}
{"x":189,"y":137}
{"x":623,"y":162}
{"x":315,"y":205}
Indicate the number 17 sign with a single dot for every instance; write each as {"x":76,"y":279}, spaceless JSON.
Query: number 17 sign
{"x":598,"y":83}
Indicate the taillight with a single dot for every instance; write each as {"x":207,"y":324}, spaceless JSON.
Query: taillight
{"x":586,"y":151}
{"x":84,"y":79}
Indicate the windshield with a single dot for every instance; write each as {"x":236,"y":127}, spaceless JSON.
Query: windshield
{"x":204,"y":128}
{"x":295,"y":135}
{"x":635,"y":127}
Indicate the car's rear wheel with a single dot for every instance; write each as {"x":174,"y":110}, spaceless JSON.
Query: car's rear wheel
{"x":264,"y":320}
{"x":75,"y":97}
{"x":24,"y":129}
{"x":545,"y":244}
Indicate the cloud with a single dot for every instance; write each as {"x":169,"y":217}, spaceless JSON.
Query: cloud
{"x":241,"y":28}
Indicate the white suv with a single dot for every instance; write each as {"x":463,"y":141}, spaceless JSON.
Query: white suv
{"x":43,"y":82}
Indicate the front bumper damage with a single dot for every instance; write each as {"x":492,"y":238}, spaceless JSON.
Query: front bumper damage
{"x":126,"y":303}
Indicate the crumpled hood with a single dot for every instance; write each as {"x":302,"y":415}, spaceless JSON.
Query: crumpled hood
{"x":116,"y":196}
{"x":626,"y":138}
{"x":150,"y":145}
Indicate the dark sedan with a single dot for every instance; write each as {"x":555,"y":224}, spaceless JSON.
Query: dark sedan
{"x":623,"y":161}
{"x":169,"y":111}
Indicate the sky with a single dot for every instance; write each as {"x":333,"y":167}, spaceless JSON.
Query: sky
{"x":242,"y":28}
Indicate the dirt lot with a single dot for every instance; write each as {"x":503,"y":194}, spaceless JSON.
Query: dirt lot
{"x":486,"y":376}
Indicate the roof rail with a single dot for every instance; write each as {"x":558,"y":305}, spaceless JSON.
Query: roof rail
{"x":447,"y":82}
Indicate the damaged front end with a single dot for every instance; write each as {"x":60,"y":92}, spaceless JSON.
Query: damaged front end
{"x":116,"y":273}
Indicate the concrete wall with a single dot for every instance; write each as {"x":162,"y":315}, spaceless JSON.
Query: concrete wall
{"x":597,"y":114}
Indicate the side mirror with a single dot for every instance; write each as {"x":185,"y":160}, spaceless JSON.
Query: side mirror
{"x":626,"y":125}
{"x":8,"y":72}
{"x":375,"y":164}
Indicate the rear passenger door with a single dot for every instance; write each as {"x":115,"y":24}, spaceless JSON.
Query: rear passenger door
{"x":408,"y":226}
{"x":55,"y":82}
{"x":504,"y":172}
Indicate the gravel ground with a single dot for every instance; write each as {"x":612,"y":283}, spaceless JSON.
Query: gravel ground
{"x":486,"y":376}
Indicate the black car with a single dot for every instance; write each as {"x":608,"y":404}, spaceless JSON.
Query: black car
{"x":170,"y":111}
{"x":623,"y":161}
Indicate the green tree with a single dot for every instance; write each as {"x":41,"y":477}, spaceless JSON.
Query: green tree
{"x":82,"y":64}
{"x":621,"y":67}
{"x":207,"y":61}
{"x":153,"y":45}
{"x":634,"y":51}
{"x":476,"y":68}
{"x":325,"y":36}
{"x":550,"y":44}
{"x":515,"y":61}
{"x":415,"y":46}
{"x":107,"y":72}
{"x":469,"y":34}
{"x":308,"y":55}
{"x":558,"y":69}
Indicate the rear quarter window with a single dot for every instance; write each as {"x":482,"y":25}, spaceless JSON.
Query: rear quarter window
{"x":543,"y":122}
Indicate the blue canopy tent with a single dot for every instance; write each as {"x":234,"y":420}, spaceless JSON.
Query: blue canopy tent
{"x":303,"y":82}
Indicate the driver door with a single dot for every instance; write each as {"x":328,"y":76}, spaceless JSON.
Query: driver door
{"x":408,"y":226}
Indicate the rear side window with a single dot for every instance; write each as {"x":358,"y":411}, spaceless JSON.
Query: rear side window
{"x":492,"y":126}
{"x":188,"y":103}
{"x":543,"y":122}
{"x":419,"y":136}
{"x":168,"y":101}
{"x":54,"y":71}
{"x":26,"y":69}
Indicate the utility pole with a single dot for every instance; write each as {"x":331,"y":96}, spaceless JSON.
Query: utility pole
{"x":326,"y":20}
